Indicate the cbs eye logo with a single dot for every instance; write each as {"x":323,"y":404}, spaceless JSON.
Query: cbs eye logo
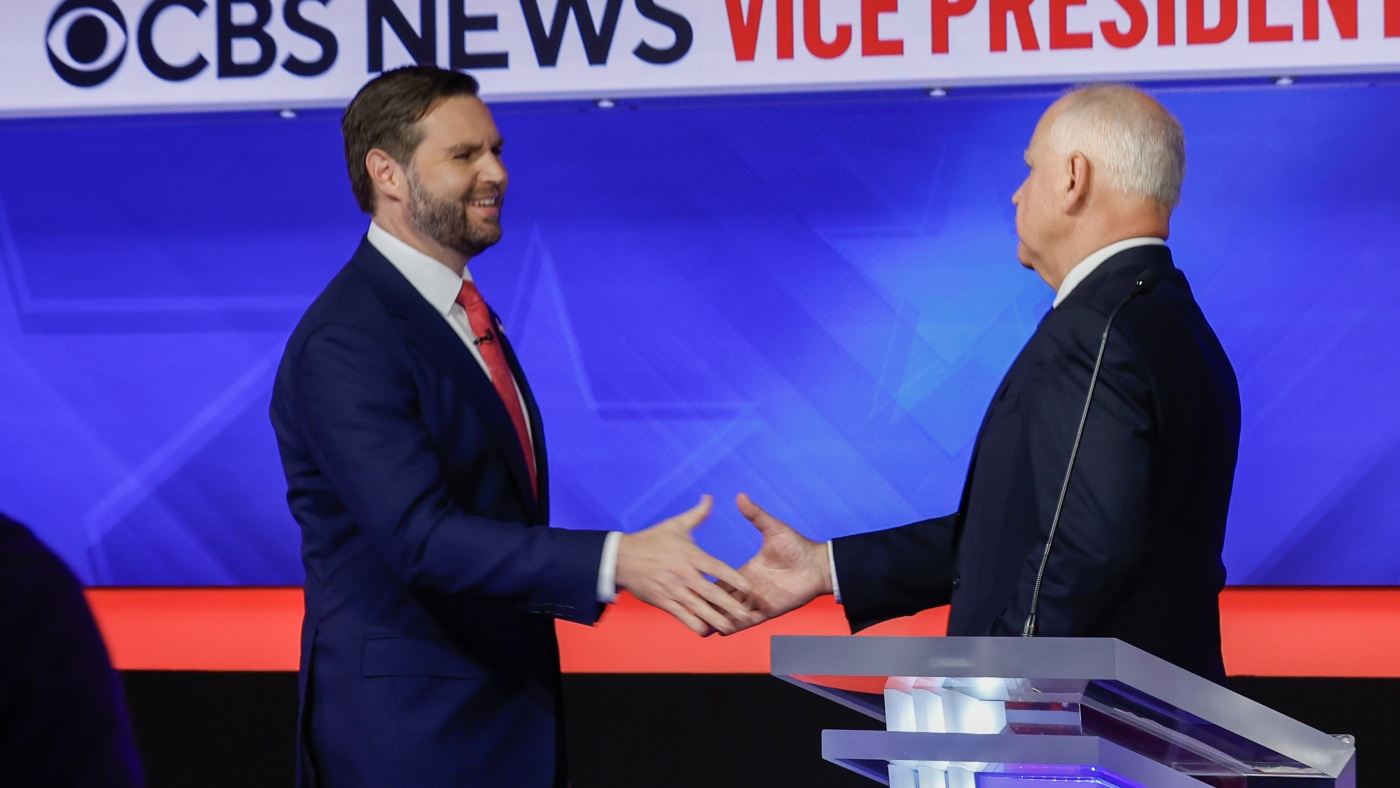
{"x":86,"y":41}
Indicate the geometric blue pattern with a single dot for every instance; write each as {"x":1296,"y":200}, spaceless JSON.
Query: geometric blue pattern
{"x":807,"y":298}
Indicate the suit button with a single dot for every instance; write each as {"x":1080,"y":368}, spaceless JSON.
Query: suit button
{"x":957,"y":581}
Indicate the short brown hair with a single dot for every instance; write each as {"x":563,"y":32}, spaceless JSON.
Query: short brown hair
{"x":385,"y":115}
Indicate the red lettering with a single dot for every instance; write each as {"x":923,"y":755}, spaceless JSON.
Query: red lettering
{"x":1001,"y":9}
{"x":870,"y":41}
{"x":1060,"y":37}
{"x":1259,"y":27}
{"x":1137,"y":26}
{"x":743,"y":28}
{"x":1196,"y":30}
{"x":1343,"y":13}
{"x":1166,"y":22}
{"x":1392,"y":18}
{"x":812,"y":31}
{"x":785,"y":34}
{"x":943,"y":10}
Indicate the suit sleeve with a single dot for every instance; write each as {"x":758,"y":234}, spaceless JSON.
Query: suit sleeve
{"x":1105,"y":528}
{"x":895,"y":572}
{"x":358,"y":409}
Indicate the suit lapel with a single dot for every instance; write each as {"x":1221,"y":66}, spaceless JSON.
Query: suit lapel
{"x":429,"y":332}
{"x":977,"y":446}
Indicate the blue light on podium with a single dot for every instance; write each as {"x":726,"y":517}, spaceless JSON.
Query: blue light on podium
{"x":1056,"y":777}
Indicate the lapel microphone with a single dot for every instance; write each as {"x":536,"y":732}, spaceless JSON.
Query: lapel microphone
{"x":1142,"y":286}
{"x":490,"y":337}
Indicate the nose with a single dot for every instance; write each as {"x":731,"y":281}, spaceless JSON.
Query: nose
{"x":493,"y":170}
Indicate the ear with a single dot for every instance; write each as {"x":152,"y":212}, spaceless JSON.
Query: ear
{"x":1079,"y":177}
{"x":388,"y":176}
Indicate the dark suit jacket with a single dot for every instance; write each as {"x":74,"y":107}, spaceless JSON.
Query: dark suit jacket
{"x":63,"y":721}
{"x":1137,"y":555}
{"x":432,"y":584}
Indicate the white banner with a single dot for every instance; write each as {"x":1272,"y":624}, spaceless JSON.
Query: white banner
{"x":106,"y":56}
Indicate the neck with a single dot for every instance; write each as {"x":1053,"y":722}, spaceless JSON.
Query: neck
{"x":1094,"y":232}
{"x":398,"y":225}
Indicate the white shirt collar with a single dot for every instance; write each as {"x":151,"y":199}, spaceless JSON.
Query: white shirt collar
{"x":1091,"y":263}
{"x":437,"y":283}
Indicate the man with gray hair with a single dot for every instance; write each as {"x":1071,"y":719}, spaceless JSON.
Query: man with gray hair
{"x":1096,"y":498}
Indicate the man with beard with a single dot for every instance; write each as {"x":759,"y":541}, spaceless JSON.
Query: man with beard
{"x":416,"y":467}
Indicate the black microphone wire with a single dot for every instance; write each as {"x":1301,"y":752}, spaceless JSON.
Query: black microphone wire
{"x":1143,"y":285}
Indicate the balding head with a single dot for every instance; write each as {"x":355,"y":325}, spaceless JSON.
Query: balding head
{"x":1135,"y":144}
{"x":1106,"y":164}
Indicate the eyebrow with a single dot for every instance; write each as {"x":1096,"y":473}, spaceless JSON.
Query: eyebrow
{"x":468,"y":147}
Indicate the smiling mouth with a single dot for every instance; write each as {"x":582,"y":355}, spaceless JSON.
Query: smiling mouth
{"x":489,"y":202}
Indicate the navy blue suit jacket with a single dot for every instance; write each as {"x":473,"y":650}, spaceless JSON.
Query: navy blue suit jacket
{"x":1138,"y":552}
{"x":432,"y":582}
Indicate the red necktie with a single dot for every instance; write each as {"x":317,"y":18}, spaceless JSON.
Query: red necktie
{"x":479,"y":316}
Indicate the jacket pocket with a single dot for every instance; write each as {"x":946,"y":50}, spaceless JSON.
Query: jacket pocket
{"x":396,"y":656}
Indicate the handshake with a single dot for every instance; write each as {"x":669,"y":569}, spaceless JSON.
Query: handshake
{"x":663,"y":567}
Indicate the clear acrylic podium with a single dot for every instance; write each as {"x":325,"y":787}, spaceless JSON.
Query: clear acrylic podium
{"x":1050,"y":713}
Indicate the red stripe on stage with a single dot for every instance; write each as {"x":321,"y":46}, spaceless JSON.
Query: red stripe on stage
{"x":200,"y":628}
{"x":636,"y":638}
{"x":1341,"y":632}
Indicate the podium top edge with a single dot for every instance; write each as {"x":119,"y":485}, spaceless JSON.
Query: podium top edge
{"x":1059,"y":659}
{"x":981,"y":657}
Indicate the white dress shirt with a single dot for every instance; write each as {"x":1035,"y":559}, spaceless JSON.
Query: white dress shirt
{"x":1077,"y":274}
{"x":439,"y":286}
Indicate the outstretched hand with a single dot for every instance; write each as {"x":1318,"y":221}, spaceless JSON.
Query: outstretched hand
{"x":663,"y":567}
{"x":789,"y":570}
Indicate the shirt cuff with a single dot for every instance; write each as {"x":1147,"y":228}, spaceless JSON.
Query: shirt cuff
{"x":831,"y":561}
{"x":607,"y":567}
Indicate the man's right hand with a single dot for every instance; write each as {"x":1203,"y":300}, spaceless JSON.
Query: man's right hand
{"x":663,"y":567}
{"x":789,"y":570}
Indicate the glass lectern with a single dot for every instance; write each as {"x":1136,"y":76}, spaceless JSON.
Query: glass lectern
{"x":1050,"y":713}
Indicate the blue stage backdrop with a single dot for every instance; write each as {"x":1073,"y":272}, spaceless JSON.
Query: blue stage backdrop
{"x":810,"y":299}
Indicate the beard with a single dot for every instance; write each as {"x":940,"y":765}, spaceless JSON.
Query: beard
{"x":448,"y":221}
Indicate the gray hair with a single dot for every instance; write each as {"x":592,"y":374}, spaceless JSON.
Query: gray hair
{"x":1134,"y":142}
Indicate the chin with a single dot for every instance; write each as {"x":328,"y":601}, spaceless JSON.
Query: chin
{"x":1023,"y":257}
{"x":487,"y":231}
